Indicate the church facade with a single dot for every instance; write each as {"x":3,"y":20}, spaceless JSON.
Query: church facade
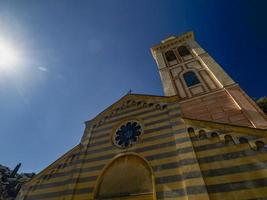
{"x":205,"y":139}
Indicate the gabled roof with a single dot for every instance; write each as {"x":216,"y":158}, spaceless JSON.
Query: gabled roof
{"x":128,"y":100}
{"x":60,"y":161}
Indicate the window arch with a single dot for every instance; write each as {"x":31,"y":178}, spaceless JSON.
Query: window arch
{"x":243,"y":140}
{"x":259,"y":145}
{"x":170,"y":56}
{"x":202,"y":134}
{"x":183,"y":51}
{"x":228,"y":139}
{"x":214,"y":134}
{"x":190,"y":130}
{"x":190,"y":78}
{"x":60,"y":166}
{"x":72,"y":158}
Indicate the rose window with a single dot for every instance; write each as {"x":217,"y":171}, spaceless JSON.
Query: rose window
{"x":127,"y":134}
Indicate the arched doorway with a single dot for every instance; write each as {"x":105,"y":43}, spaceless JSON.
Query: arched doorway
{"x":126,"y":177}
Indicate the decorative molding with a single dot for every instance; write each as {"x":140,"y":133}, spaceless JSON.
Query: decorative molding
{"x":176,"y":40}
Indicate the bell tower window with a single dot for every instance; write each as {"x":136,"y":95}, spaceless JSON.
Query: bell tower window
{"x":191,"y":78}
{"x":183,"y":51}
{"x":170,"y":56}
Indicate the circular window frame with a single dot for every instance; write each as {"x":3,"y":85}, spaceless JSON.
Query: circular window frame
{"x":119,"y":127}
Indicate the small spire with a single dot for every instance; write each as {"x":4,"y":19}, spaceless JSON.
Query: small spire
{"x":130,"y":91}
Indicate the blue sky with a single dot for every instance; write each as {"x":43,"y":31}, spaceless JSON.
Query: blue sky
{"x":78,"y":57}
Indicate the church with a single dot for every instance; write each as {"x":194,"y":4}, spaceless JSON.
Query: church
{"x":204,"y":139}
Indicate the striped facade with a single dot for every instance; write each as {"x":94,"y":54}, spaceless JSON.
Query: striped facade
{"x":185,"y":164}
{"x":205,"y":141}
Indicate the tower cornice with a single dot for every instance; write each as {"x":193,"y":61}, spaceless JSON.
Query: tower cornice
{"x":172,"y":40}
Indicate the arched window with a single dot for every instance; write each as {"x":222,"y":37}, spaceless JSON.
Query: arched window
{"x":45,"y":177}
{"x":214,"y":134}
{"x":170,"y":56}
{"x":243,"y":140}
{"x":259,"y":145}
{"x":60,"y":166}
{"x":72,"y":158}
{"x":228,"y":139}
{"x":190,"y":78}
{"x":190,"y":130}
{"x":64,"y":164}
{"x":202,"y":134}
{"x":183,"y":51}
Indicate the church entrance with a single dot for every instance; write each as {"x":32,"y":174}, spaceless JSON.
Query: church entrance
{"x":128,"y":177}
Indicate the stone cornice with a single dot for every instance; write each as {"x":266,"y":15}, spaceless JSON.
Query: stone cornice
{"x":130,"y":100}
{"x":173,"y":40}
{"x":227,"y":127}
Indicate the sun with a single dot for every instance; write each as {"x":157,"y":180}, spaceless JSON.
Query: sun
{"x":9,"y":57}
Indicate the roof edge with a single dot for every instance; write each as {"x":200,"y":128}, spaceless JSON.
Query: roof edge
{"x":226,"y":126}
{"x":54,"y":162}
{"x":127,"y":96}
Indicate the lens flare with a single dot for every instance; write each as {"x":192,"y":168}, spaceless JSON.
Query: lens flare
{"x":9,"y":57}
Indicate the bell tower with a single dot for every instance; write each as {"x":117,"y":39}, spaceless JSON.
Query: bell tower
{"x":206,"y":91}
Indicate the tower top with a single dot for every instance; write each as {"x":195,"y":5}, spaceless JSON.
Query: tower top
{"x":188,"y":71}
{"x":173,"y":40}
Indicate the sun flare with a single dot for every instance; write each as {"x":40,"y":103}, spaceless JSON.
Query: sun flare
{"x":8,"y":56}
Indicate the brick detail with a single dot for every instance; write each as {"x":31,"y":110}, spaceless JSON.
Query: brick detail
{"x":249,"y":107}
{"x":217,"y":107}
